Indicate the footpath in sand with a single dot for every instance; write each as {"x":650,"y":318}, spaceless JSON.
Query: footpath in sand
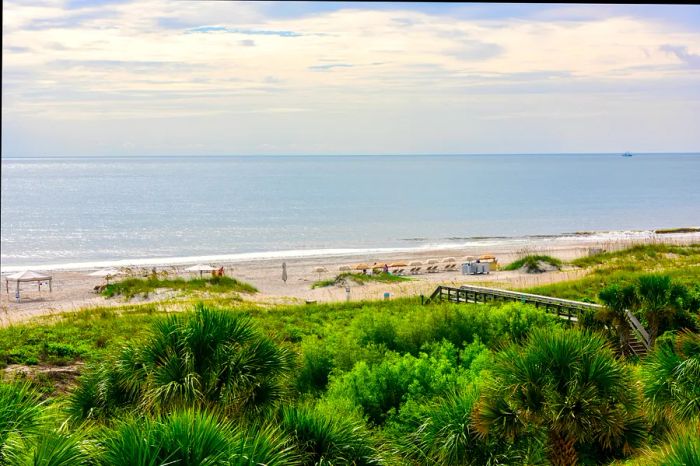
{"x":73,"y":290}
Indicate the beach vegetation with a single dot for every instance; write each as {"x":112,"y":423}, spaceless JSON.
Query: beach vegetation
{"x":625,"y":267}
{"x":130,"y":287}
{"x":214,"y":380}
{"x":666,"y":231}
{"x":569,"y":384}
{"x":534,"y":263}
{"x":347,"y":278}
{"x":204,"y":358}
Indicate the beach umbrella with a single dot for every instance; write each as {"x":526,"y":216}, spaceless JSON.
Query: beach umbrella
{"x":345,"y":268}
{"x":432,"y":261}
{"x":487,"y":257}
{"x":470,"y":258}
{"x":200,"y":268}
{"x":398,"y":264}
{"x":449,"y":259}
{"x":415,"y":264}
{"x":320,"y":270}
{"x":106,"y":273}
{"x":361,"y":266}
{"x":284,"y":272}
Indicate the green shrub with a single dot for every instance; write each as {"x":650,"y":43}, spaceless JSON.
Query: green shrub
{"x":380,"y":389}
{"x":446,"y":435}
{"x":192,"y":437}
{"x":569,"y":385}
{"x":206,"y":357}
{"x":671,"y":376}
{"x":324,"y":439}
{"x":130,"y":287}
{"x":21,"y":414}
{"x":533,"y":263}
{"x":316,"y":366}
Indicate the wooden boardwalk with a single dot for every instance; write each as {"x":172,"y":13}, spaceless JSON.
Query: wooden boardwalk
{"x":477,"y":294}
{"x":564,"y":308}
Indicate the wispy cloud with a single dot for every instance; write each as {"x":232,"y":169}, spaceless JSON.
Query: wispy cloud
{"x":249,"y":32}
{"x":329,"y":66}
{"x":692,"y":60}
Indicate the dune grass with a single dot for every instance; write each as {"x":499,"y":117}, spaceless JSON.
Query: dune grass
{"x":681,"y":263}
{"x":666,"y":231}
{"x":359,"y":279}
{"x":532,"y":263}
{"x":131,"y":287}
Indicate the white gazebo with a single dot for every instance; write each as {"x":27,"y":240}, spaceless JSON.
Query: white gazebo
{"x":26,"y":276}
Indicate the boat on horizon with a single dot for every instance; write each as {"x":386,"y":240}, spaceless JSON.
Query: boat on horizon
{"x":627,"y":154}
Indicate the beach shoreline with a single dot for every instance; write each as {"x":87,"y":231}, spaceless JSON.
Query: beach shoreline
{"x":594,"y":239}
{"x":73,"y":289}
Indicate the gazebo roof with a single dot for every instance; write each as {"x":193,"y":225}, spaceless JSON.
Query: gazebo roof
{"x":28,"y":276}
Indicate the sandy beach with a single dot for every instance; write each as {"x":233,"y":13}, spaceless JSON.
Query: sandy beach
{"x":73,"y":289}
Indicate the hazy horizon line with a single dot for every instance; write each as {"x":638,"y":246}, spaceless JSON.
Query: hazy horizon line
{"x":338,"y":155}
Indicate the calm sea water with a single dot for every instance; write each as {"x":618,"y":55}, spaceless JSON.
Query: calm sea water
{"x":58,"y":211}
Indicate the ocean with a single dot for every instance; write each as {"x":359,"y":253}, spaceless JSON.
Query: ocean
{"x":68,"y":212}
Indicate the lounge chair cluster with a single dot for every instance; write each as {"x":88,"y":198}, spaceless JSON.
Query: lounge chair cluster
{"x":401,"y":268}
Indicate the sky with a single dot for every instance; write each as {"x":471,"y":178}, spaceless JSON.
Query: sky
{"x":155,"y":77}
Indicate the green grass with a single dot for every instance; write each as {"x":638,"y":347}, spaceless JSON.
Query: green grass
{"x":359,"y":279}
{"x":677,"y":230}
{"x":681,"y":263}
{"x":131,"y":287}
{"x":533,"y":263}
{"x":645,"y":257}
{"x":81,"y":336}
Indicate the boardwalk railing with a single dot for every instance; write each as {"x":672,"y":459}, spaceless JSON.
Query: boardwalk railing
{"x":564,"y":308}
{"x":477,"y":294}
{"x":638,"y":330}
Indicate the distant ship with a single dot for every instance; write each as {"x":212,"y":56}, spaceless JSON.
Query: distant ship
{"x":627,"y":154}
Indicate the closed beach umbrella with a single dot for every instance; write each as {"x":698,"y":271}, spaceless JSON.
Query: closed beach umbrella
{"x":284,"y":272}
{"x":200,"y":268}
{"x":449,"y":259}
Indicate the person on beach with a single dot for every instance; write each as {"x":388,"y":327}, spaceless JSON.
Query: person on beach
{"x":386,"y":268}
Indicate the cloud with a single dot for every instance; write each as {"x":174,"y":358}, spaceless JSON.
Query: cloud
{"x":343,"y":64}
{"x":469,"y":50}
{"x":692,"y":60}
{"x":71,"y":20}
{"x":329,"y":66}
{"x":251,"y":32}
